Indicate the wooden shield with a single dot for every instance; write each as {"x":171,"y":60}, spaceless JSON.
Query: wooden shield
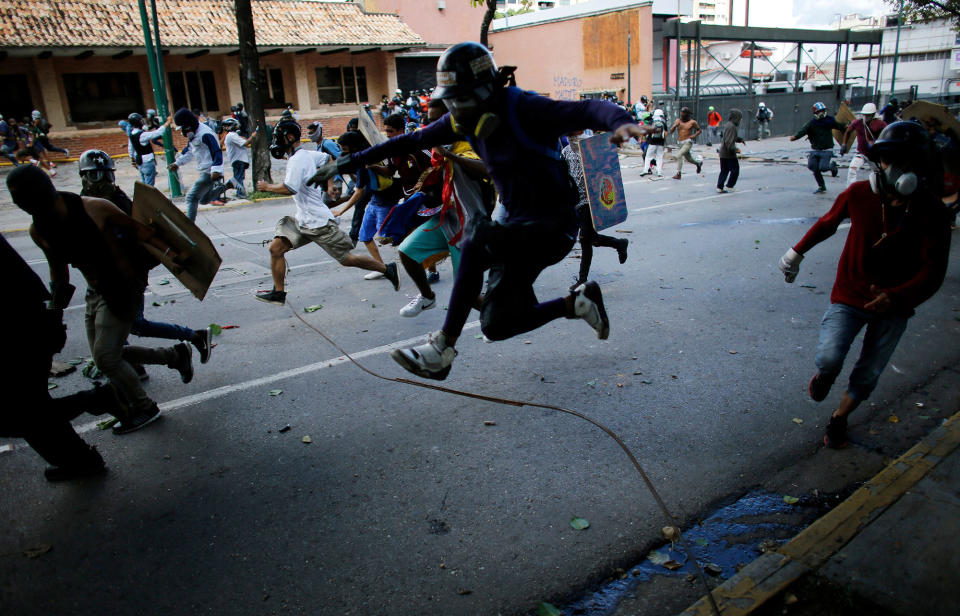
{"x":601,"y":175}
{"x":844,"y":116}
{"x":939,"y":122}
{"x":369,"y":128}
{"x":199,"y":260}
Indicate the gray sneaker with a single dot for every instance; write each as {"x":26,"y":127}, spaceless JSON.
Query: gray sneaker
{"x":184,"y":362}
{"x":137,"y":420}
{"x":430,"y":360}
{"x":203,"y":340}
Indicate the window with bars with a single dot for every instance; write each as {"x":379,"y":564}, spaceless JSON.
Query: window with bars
{"x":193,"y":90}
{"x":341,"y":84}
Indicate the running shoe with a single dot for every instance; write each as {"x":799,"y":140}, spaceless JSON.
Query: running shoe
{"x":430,"y":360}
{"x":373,"y":276}
{"x":433,"y":277}
{"x":836,"y":436}
{"x":588,"y":305}
{"x":272,"y":297}
{"x":417,"y":305}
{"x":184,"y":361}
{"x":137,"y":420}
{"x":820,"y":386}
{"x":203,"y":339}
{"x":393,"y":276}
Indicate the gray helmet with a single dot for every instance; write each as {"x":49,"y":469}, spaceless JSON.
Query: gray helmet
{"x":96,"y":166}
{"x":135,"y":119}
{"x":230,"y":124}
{"x":151,"y":113}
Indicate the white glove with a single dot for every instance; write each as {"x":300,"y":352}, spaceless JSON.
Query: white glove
{"x":790,"y":265}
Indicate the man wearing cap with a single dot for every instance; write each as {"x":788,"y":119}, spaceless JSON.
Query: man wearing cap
{"x":713,"y":126}
{"x":866,"y":127}
{"x":203,"y":144}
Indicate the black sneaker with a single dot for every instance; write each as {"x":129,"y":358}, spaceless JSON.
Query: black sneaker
{"x":202,"y":339}
{"x":184,"y":362}
{"x":136,"y":421}
{"x":393,"y":276}
{"x":622,"y":250}
{"x":820,"y":386}
{"x":699,"y":167}
{"x":95,"y":467}
{"x":141,"y":373}
{"x":820,"y":190}
{"x":834,"y":171}
{"x":272,"y":297}
{"x":836,"y":436}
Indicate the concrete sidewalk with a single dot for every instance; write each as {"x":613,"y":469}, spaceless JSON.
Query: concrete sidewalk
{"x":893,"y":547}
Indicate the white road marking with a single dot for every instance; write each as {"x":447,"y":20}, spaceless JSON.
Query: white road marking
{"x":716,"y":196}
{"x":226,"y":390}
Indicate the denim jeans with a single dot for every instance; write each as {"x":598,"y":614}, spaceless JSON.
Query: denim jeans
{"x":199,"y":193}
{"x":239,"y":175}
{"x":155,"y":329}
{"x":148,"y":172}
{"x":841,"y":324}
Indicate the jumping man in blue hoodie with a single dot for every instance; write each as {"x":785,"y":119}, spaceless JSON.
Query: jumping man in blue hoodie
{"x":819,"y":131}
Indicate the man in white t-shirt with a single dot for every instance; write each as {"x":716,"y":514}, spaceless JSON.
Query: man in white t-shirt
{"x":313,"y":221}
{"x":237,"y":155}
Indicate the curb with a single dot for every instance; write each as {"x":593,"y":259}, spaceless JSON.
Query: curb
{"x":774,"y":571}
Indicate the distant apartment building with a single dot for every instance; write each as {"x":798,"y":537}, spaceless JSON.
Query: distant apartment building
{"x":712,"y":12}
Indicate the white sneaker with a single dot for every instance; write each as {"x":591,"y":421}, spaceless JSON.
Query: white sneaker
{"x":588,"y":306}
{"x":373,"y":276}
{"x":430,"y":360}
{"x":417,"y":305}
{"x":730,"y":189}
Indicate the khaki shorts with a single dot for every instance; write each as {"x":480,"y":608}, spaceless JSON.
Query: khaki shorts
{"x":335,"y":242}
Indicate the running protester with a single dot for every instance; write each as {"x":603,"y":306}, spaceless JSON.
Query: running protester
{"x":203,"y":144}
{"x":729,"y":163}
{"x":588,"y":234}
{"x":866,"y":127}
{"x":687,"y":131}
{"x":894,"y":259}
{"x":516,"y":134}
{"x":764,"y":115}
{"x":237,"y":155}
{"x":819,"y":130}
{"x":655,"y":142}
{"x":313,"y":221}
{"x":713,"y":126}
{"x":141,"y":144}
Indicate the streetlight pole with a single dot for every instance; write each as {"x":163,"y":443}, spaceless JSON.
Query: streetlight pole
{"x":629,"y":97}
{"x":896,"y":50}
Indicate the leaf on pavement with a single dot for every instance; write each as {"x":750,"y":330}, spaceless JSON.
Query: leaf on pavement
{"x":701,"y":542}
{"x":546,"y":609}
{"x":592,"y":383}
{"x":478,"y":336}
{"x":51,"y":385}
{"x":276,"y":392}
{"x":306,"y":439}
{"x":791,"y":500}
{"x":923,"y":416}
{"x":579,"y":524}
{"x":215,"y":329}
{"x":732,"y":352}
{"x":107,"y":423}
{"x":808,"y":286}
{"x":38,"y":551}
{"x":76,"y":361}
{"x":894,"y":419}
{"x":672,"y":565}
{"x":165,"y":281}
{"x":657,"y":558}
{"x":797,"y":421}
{"x":313,"y":308}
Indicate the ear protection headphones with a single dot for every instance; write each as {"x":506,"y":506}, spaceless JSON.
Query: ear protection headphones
{"x":895,"y":180}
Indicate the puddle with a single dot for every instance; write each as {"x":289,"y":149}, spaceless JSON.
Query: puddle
{"x":729,"y":538}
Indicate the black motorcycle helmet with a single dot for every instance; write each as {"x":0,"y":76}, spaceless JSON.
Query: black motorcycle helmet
{"x":464,"y":68}
{"x":913,"y":162}
{"x":136,"y":120}
{"x":280,"y":144}
{"x":96,"y":166}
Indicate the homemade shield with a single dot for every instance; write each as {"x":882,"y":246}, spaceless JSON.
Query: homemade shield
{"x":943,"y":127}
{"x":844,"y":116}
{"x":601,"y":175}
{"x":199,"y":260}
{"x":369,"y":128}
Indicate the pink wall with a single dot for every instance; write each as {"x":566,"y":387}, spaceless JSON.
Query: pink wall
{"x":556,"y":59}
{"x":459,"y":21}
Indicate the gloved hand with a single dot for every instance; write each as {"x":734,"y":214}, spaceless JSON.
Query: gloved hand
{"x":790,"y":265}
{"x":329,"y":169}
{"x":62,"y":293}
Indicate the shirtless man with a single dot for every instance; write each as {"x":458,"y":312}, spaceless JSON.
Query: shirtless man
{"x":687,"y":130}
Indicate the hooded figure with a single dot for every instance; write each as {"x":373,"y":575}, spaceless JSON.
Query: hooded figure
{"x":729,"y":163}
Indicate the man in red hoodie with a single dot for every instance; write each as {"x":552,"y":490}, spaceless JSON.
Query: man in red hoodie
{"x":894,"y":259}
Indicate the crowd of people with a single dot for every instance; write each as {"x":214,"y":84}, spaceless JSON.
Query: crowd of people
{"x":453,"y":188}
{"x":27,"y":141}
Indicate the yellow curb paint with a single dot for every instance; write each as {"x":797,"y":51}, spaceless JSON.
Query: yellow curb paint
{"x":772,"y":572}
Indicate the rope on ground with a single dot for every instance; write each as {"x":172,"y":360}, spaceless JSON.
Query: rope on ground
{"x":520,"y":403}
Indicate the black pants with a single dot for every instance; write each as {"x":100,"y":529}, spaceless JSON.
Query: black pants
{"x":728,"y":167}
{"x":44,"y":422}
{"x":590,"y":238}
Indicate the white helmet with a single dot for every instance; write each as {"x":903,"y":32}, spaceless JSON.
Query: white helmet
{"x":869,"y":109}
{"x":658,"y":114}
{"x":762,"y":105}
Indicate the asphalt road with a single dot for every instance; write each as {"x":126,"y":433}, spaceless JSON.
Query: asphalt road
{"x":406,"y":501}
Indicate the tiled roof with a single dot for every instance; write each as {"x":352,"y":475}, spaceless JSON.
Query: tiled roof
{"x":195,"y":23}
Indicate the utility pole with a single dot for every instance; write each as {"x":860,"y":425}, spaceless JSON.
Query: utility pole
{"x":629,"y":97}
{"x":250,"y":85}
{"x":154,"y":63}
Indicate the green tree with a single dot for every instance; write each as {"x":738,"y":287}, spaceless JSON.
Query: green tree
{"x":925,"y":10}
{"x":491,"y":9}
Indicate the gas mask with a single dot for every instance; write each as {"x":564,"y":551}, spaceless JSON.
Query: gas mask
{"x":188,"y":133}
{"x":820,"y":115}
{"x":894,"y":181}
{"x":278,"y":149}
{"x":466,"y":107}
{"x":97,"y":183}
